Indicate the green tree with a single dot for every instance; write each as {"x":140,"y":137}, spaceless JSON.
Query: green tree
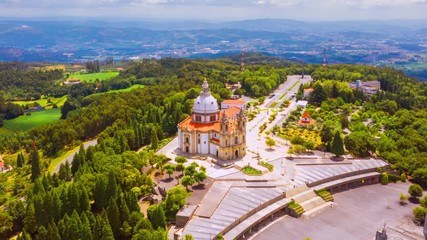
{"x":318,"y":95}
{"x":420,"y":176}
{"x":419,"y":213}
{"x":64,"y":171}
{"x":53,"y":232}
{"x":180,"y":159}
{"x":270,"y":142}
{"x":100,"y":192}
{"x":337,"y":145}
{"x":169,"y":169}
{"x":360,"y":143}
{"x":6,"y":222}
{"x":35,"y":165}
{"x":154,"y":139}
{"x":180,"y":167}
{"x":114,"y":217}
{"x":199,"y":177}
{"x":415,"y":190}
{"x":75,"y":164}
{"x":156,"y":216}
{"x":175,"y":199}
{"x":20,"y":160}
{"x":112,"y":187}
{"x":187,"y":181}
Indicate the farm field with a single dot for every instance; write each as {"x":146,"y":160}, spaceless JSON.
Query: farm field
{"x":91,"y":77}
{"x":25,"y":123}
{"x":43,"y":102}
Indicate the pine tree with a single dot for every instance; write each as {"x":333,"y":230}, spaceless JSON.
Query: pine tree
{"x":90,"y":152}
{"x":132,"y":202}
{"x":30,"y":219}
{"x":42,"y":233}
{"x":64,"y":171}
{"x":20,"y":160}
{"x":85,"y":231}
{"x":106,"y":232}
{"x":56,"y":206}
{"x":73,"y":198}
{"x":53,"y":232}
{"x":124,"y":210}
{"x":318,"y":95}
{"x":112,"y":186}
{"x":75,"y":164}
{"x":100,"y":192}
{"x":82,"y":154}
{"x":337,"y":145}
{"x":35,"y":165}
{"x":114,"y":216}
{"x":154,"y":139}
{"x":84,"y":200}
{"x":335,"y":92}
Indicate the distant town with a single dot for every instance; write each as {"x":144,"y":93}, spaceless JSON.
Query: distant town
{"x":377,"y":43}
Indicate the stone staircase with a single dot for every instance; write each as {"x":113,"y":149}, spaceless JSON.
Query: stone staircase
{"x":312,"y":204}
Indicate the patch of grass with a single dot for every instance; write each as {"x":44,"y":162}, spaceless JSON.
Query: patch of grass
{"x":248,"y":170}
{"x":44,"y":102}
{"x":136,"y":86}
{"x":273,"y":104}
{"x":296,"y":208}
{"x":40,"y":118}
{"x":325,"y":195}
{"x":267,"y":165}
{"x":91,"y":77}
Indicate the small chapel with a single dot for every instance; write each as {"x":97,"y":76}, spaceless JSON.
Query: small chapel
{"x":209,"y":130}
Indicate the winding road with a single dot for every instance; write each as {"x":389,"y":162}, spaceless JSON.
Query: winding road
{"x":70,"y":158}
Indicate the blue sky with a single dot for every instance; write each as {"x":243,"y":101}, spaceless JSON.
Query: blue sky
{"x":218,"y":10}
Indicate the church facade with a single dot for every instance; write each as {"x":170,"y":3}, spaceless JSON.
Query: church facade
{"x":209,"y":130}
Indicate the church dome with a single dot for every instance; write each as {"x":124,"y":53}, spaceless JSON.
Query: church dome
{"x":205,"y":103}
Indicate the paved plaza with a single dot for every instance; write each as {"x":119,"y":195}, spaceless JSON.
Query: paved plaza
{"x":359,"y":214}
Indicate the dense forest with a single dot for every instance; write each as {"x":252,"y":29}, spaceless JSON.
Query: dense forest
{"x":96,"y":196}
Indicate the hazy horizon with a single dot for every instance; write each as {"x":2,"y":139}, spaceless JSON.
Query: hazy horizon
{"x":217,"y":10}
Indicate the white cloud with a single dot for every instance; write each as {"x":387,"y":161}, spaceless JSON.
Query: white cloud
{"x":378,"y":3}
{"x":219,"y":9}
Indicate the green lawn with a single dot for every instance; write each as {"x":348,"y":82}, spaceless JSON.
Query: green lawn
{"x":25,"y":123}
{"x":91,"y":77}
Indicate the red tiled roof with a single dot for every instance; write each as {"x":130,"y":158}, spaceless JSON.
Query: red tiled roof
{"x":189,"y":125}
{"x":305,"y":115}
{"x":235,"y":102}
{"x":308,"y":90}
{"x":1,"y":164}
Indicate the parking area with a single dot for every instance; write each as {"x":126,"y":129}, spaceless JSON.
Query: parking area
{"x":359,"y":214}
